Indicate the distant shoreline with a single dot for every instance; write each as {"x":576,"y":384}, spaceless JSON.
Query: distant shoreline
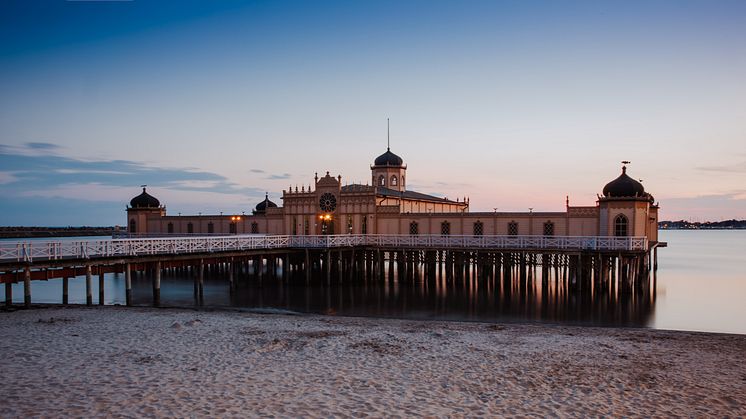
{"x":35,"y":232}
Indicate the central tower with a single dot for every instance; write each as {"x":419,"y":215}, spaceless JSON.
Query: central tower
{"x":389,"y":171}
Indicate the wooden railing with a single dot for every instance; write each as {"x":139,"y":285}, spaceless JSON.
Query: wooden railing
{"x":27,"y":251}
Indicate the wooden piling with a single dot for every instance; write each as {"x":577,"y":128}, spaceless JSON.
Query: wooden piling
{"x":157,"y":285}
{"x":88,"y":286}
{"x":127,"y":285}
{"x":27,"y":286}
{"x":100,"y":287}
{"x":231,"y":283}
{"x":8,"y":294}
{"x":201,"y":281}
{"x":65,"y":290}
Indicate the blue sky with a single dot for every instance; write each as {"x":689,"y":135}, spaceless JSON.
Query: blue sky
{"x":515,"y":104}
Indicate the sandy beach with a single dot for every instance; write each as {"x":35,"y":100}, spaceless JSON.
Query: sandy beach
{"x":125,"y":362}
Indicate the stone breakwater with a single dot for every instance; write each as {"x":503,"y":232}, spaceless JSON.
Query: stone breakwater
{"x":116,"y":362}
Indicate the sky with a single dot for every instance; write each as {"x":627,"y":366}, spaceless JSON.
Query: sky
{"x":515,"y":104}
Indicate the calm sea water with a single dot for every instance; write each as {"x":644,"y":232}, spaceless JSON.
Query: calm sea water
{"x":701,"y":285}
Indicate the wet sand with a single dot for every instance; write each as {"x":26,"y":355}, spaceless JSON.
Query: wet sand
{"x":134,"y":362}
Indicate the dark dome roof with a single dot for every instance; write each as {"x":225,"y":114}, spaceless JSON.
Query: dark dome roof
{"x":262,"y":206}
{"x":144,"y":200}
{"x":624,"y":186}
{"x":388,"y":159}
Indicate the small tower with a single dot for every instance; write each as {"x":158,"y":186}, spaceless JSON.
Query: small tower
{"x":141,"y":208}
{"x":389,"y":170}
{"x":626,"y":209}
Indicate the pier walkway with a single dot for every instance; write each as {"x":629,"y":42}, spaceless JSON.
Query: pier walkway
{"x":578,"y":260}
{"x":44,"y":251}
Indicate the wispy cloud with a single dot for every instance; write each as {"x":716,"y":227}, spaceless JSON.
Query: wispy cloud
{"x":257,"y":171}
{"x":279,"y":177}
{"x":733,"y":168}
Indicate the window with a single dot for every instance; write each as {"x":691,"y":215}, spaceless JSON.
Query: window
{"x":190,"y":228}
{"x":393,"y":180}
{"x":620,"y":225}
{"x":414,"y":228}
{"x":549,"y":228}
{"x":170,"y":228}
{"x":233,"y":228}
{"x":210,"y":228}
{"x":381,"y":180}
{"x":254,"y":228}
{"x":512,"y":228}
{"x":305,"y":227}
{"x":295,"y":226}
{"x":364,"y":228}
{"x":445,"y":228}
{"x":133,"y":226}
{"x":478,"y":228}
{"x":349,"y":224}
{"x":402,"y":182}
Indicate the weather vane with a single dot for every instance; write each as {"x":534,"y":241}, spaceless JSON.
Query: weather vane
{"x":626,"y":162}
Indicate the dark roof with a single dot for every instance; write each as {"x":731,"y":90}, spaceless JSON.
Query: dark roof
{"x":388,"y":159}
{"x":624,"y":186}
{"x":261,"y":207}
{"x":410,"y":195}
{"x":144,"y":200}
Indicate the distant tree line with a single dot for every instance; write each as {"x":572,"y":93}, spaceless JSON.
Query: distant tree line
{"x":20,"y":231}
{"x":705,"y":225}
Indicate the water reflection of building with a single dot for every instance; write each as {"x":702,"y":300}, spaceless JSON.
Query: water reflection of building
{"x":386,"y":206}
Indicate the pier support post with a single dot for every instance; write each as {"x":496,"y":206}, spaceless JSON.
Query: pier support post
{"x":157,"y":285}
{"x":231,"y":282}
{"x":201,"y":282}
{"x":100,"y":287}
{"x":27,"y":287}
{"x":8,"y":294}
{"x":88,"y":286}
{"x":65,"y":290}
{"x":307,"y":267}
{"x":328,"y":267}
{"x":127,"y":285}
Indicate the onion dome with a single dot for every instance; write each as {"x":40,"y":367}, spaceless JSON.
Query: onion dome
{"x":624,"y":186}
{"x":261,"y":207}
{"x":388,"y":159}
{"x":145,"y":200}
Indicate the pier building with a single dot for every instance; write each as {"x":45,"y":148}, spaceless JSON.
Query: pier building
{"x":387,"y":206}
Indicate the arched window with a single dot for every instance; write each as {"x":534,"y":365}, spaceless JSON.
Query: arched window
{"x":133,"y":226}
{"x":254,"y":228}
{"x":402,"y":182}
{"x":170,"y":228}
{"x":349,"y":224}
{"x":393,"y":180}
{"x":305,"y":227}
{"x":445,"y":228}
{"x":233,"y":228}
{"x":382,"y":180}
{"x":549,"y":228}
{"x":364,"y":227}
{"x":414,"y":228}
{"x":190,"y":228}
{"x":295,"y":226}
{"x":210,"y":228}
{"x":478,"y":228}
{"x":620,"y":225}
{"x":512,"y":228}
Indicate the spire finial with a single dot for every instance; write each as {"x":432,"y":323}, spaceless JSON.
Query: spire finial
{"x":143,"y":187}
{"x":624,"y":165}
{"x":388,"y":135}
